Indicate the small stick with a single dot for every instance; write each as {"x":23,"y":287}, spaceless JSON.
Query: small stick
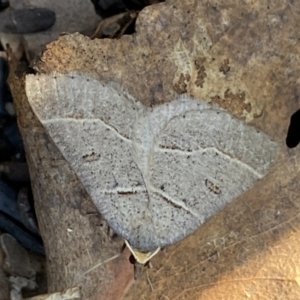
{"x":101,"y":263}
{"x":149,"y":281}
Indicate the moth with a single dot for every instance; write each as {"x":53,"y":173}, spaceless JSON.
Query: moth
{"x":156,"y":174}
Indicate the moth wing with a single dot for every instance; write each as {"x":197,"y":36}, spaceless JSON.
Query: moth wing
{"x":91,"y":123}
{"x":198,"y":159}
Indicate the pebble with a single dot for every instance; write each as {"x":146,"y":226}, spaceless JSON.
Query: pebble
{"x":26,"y":20}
